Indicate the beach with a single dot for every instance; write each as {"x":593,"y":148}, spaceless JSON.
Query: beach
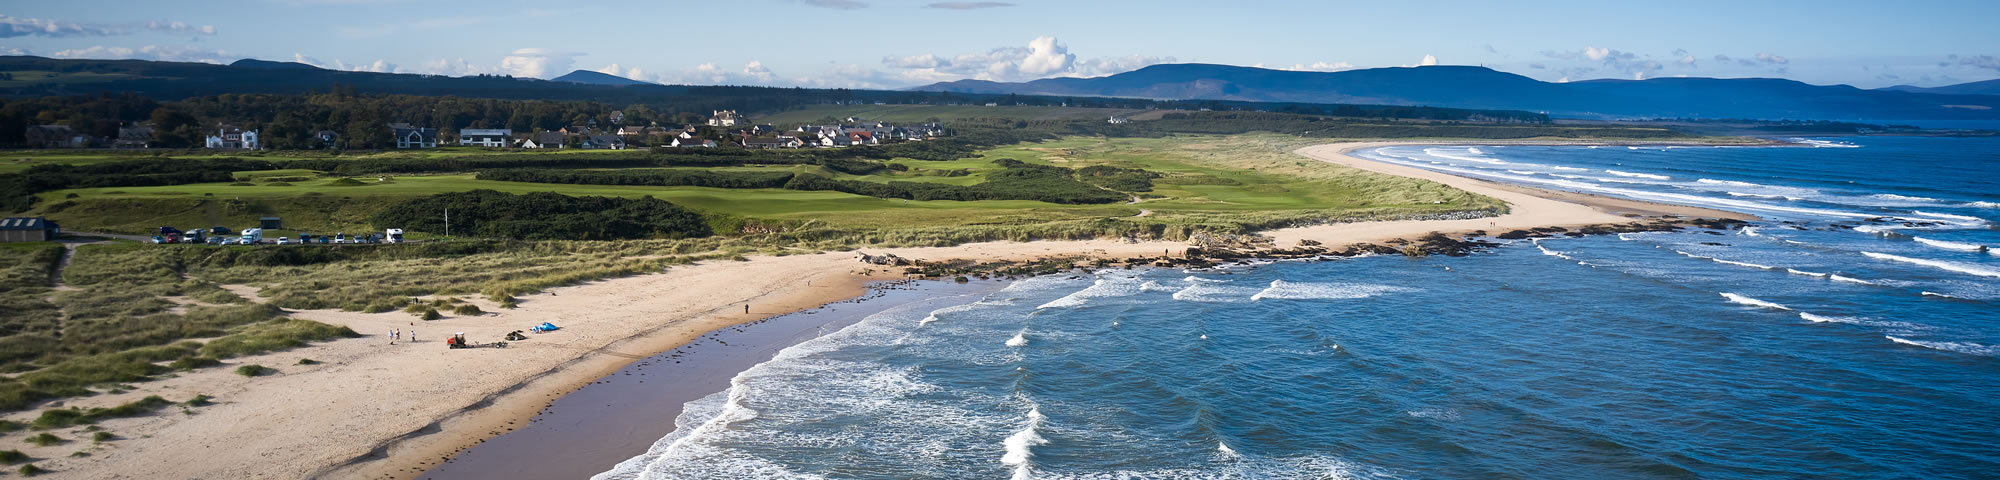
{"x":372,"y":409}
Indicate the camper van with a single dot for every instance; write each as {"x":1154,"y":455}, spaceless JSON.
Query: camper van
{"x":251,"y":236}
{"x":395,"y":235}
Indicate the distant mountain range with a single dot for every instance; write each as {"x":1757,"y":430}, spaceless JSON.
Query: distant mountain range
{"x":1989,"y":87}
{"x":1483,"y":88}
{"x":588,"y":77}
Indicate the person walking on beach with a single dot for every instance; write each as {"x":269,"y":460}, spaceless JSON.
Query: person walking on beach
{"x":746,"y":309}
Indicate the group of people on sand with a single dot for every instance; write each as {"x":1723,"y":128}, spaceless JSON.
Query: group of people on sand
{"x":398,"y":334}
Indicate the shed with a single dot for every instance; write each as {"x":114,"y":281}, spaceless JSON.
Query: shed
{"x":28,"y":229}
{"x":270,"y":223}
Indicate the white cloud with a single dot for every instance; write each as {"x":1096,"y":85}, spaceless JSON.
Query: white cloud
{"x":1113,"y":65}
{"x":1322,"y":67}
{"x":1686,"y":60}
{"x":170,"y":53}
{"x":538,"y":62}
{"x":753,"y":73}
{"x":11,"y":26}
{"x":634,"y":73}
{"x":456,"y":67}
{"x":915,"y":61}
{"x":1772,"y":59}
{"x":378,"y":66}
{"x":1045,"y":57}
{"x":1428,"y":60}
{"x":181,"y":28}
{"x":1630,"y":63}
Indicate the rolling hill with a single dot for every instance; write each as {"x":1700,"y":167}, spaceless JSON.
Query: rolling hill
{"x":1479,"y":87}
{"x":588,"y":77}
{"x":1989,"y":87}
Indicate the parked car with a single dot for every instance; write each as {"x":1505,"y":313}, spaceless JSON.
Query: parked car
{"x":218,"y":240}
{"x":340,"y":237}
{"x":220,"y":230}
{"x":284,"y":240}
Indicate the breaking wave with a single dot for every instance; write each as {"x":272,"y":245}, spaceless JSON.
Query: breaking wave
{"x":1284,"y":290}
{"x":1968,"y":348}
{"x":1964,"y":268}
{"x":1742,"y":300}
{"x":1639,"y":175}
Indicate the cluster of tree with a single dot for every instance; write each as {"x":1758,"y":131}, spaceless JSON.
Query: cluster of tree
{"x":1116,"y":178}
{"x":17,"y":190}
{"x":1018,"y":181}
{"x":545,"y":216}
{"x":652,"y":178}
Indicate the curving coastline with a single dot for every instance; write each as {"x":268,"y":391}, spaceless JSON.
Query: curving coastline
{"x":380,"y":411}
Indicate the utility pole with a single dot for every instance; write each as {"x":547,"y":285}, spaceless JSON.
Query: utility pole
{"x":447,"y":224}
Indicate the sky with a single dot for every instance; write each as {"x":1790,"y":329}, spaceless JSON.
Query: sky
{"x":898,"y":43}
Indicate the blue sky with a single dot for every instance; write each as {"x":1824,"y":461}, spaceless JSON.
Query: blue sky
{"x":896,"y":43}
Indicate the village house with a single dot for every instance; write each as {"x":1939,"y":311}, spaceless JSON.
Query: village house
{"x":1116,"y":120}
{"x":575,"y":130}
{"x":53,"y":136}
{"x":231,"y":137}
{"x":485,"y":137}
{"x":136,"y":136}
{"x":617,"y":117}
{"x":408,"y":136}
{"x":724,"y":118}
{"x":544,"y":140}
{"x":326,"y":139}
{"x":632,"y":131}
{"x":602,"y":142}
{"x":691,"y":143}
{"x":772,"y":142}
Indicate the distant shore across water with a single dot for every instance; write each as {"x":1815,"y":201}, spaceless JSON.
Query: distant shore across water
{"x":376,"y":411}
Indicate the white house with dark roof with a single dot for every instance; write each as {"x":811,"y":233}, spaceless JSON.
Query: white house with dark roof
{"x":724,"y":118}
{"x":408,"y":136}
{"x":485,"y":137}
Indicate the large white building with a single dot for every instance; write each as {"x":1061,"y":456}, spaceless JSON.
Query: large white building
{"x":485,"y":137}
{"x":724,"y":118}
{"x":231,"y":137}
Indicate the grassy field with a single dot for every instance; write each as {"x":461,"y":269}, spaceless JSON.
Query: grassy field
{"x":923,"y":113}
{"x":131,"y":312}
{"x":1203,"y":176}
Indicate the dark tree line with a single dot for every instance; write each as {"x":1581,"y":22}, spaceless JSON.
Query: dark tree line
{"x":546,"y":216}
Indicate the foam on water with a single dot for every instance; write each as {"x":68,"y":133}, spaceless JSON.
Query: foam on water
{"x":1020,"y":446}
{"x":1742,"y":300}
{"x":1983,"y":204}
{"x":1019,"y":339}
{"x":1795,"y":271}
{"x":1442,"y":153}
{"x":1226,"y":452}
{"x":1839,"y":278}
{"x":1964,"y":268}
{"x":1102,"y":288}
{"x":1968,"y":348}
{"x":1638,"y":175}
{"x":1948,"y":245}
{"x":1284,"y":290}
{"x":1215,"y":293}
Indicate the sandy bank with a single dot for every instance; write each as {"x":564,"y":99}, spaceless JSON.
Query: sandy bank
{"x":375,"y":410}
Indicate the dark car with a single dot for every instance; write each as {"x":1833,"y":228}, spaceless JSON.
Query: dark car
{"x":220,"y":230}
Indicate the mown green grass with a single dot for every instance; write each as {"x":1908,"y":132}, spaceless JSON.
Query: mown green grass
{"x":1243,"y":173}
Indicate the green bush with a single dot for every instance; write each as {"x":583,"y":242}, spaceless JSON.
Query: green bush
{"x":466,"y":310}
{"x":546,"y":216}
{"x":198,"y":401}
{"x":432,"y":314}
{"x":30,"y":470}
{"x":11,"y":457}
{"x":274,"y":335}
{"x":101,"y":437}
{"x":308,"y":361}
{"x":191,"y":363}
{"x":252,"y":370}
{"x":46,"y":439}
{"x":75,"y":416}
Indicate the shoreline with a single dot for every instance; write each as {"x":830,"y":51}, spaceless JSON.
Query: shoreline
{"x":620,"y":416}
{"x":376,"y":410}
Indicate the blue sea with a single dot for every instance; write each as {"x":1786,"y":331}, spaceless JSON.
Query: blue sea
{"x":1852,"y":333}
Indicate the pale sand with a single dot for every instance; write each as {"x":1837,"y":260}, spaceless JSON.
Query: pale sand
{"x":421,"y":402}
